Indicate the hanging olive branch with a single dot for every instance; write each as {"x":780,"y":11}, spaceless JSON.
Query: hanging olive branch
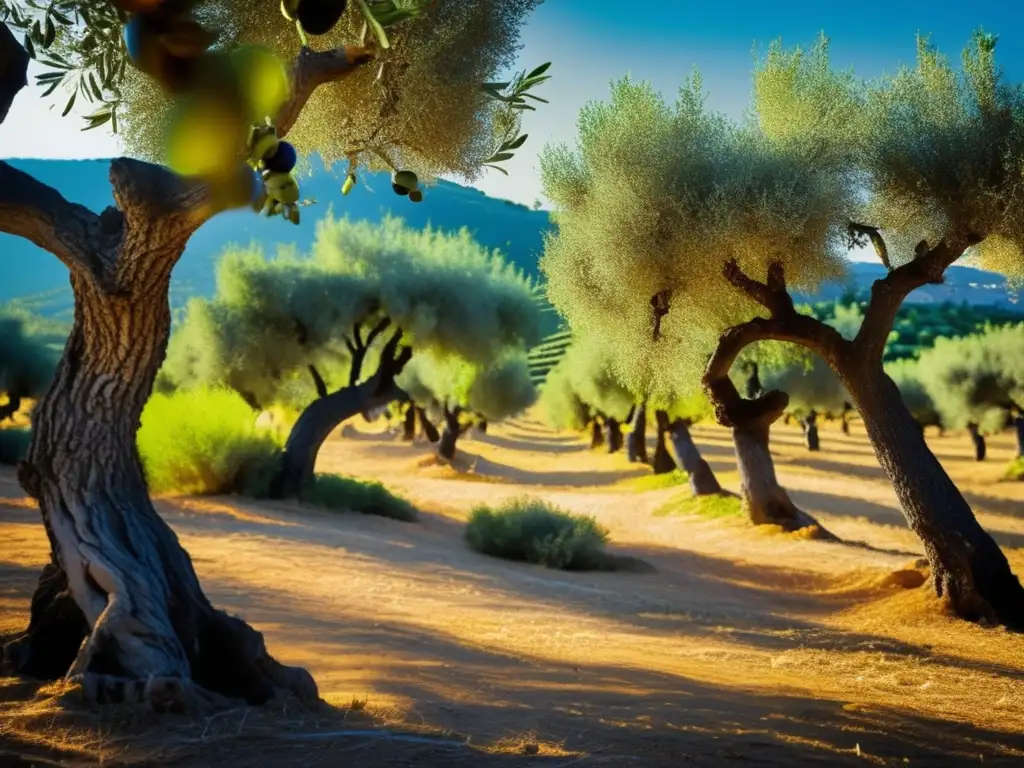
{"x":514,"y":95}
{"x":99,"y":50}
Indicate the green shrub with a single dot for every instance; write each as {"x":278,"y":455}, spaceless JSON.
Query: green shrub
{"x":205,"y":441}
{"x":348,"y":494}
{"x":1014,"y":471}
{"x":532,"y":530}
{"x":14,"y":444}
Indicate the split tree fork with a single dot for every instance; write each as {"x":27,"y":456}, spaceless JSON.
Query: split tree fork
{"x":119,"y":580}
{"x":968,"y":568}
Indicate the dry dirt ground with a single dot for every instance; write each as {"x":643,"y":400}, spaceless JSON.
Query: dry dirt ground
{"x":740,"y":647}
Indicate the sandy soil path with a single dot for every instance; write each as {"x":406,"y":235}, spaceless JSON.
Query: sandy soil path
{"x":736,"y":648}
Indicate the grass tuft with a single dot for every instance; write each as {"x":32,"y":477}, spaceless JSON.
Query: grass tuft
{"x":14,"y":444}
{"x":205,"y":442}
{"x":712,"y":507}
{"x":533,"y":531}
{"x":347,"y":494}
{"x":1015,"y":470}
{"x":654,"y":482}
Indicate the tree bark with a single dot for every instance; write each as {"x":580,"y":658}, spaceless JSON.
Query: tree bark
{"x":845,"y":418}
{"x":702,"y":479}
{"x":325,"y":414}
{"x":613,"y":434}
{"x":968,"y":568}
{"x":636,"y":443}
{"x":810,"y":425}
{"x":427,"y":427}
{"x":120,"y":589}
{"x":663,"y":462}
{"x":978,"y":440}
{"x":1018,"y":429}
{"x":766,"y":500}
{"x":596,"y":434}
{"x":409,"y":424}
{"x":450,"y":434}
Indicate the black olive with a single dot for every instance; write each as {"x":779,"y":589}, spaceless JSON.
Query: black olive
{"x":318,"y":17}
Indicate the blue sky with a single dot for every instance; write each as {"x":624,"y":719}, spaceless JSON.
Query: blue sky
{"x":592,"y":42}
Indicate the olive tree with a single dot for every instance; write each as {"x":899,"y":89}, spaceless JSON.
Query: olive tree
{"x":26,"y":365}
{"x":906,"y":374}
{"x":813,"y":389}
{"x":974,"y":382}
{"x":684,"y":231}
{"x":580,"y":392}
{"x":496,"y":388}
{"x":120,"y":608}
{"x":330,"y":333}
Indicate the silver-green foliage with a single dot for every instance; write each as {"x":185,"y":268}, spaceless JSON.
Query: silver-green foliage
{"x":272,"y":317}
{"x":977,"y":378}
{"x":657,"y":196}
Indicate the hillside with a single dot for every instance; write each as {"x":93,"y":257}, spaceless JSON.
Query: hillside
{"x":27,"y":271}
{"x":515,"y":229}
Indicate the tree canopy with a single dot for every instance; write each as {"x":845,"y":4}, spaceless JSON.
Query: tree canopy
{"x":272,"y":318}
{"x":976,"y":379}
{"x":419,"y":106}
{"x":496,"y":390}
{"x":656,"y":198}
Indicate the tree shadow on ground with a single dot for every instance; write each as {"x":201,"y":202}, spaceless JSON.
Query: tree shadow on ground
{"x":532,"y":444}
{"x":612,"y":715}
{"x":601,"y":713}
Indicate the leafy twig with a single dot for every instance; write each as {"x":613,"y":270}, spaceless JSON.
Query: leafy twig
{"x":513,"y":95}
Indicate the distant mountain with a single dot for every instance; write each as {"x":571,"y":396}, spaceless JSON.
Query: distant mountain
{"x":515,"y":229}
{"x":25,"y":270}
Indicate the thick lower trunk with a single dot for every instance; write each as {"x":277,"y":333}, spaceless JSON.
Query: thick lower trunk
{"x":596,"y":434}
{"x":968,"y":568}
{"x":845,"y":424}
{"x":702,"y":479}
{"x":427,"y":428}
{"x":636,"y":443}
{"x":481,"y":425}
{"x":1018,"y":430}
{"x":449,"y":435}
{"x":978,"y":440}
{"x":313,"y":427}
{"x":409,"y":424}
{"x":613,"y":434}
{"x":767,"y":502}
{"x":810,"y":425}
{"x":120,"y":609}
{"x":663,"y":462}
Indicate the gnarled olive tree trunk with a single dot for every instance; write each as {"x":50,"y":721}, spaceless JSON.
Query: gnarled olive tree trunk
{"x":636,"y":442}
{"x":427,"y":428}
{"x":702,"y":479}
{"x":327,"y":412}
{"x":450,"y":433}
{"x":968,"y":568}
{"x":596,"y":433}
{"x":662,"y":463}
{"x":613,"y":434}
{"x":120,"y":608}
{"x":810,"y":426}
{"x":978,"y":440}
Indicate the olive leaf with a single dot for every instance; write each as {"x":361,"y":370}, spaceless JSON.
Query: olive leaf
{"x":513,"y":95}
